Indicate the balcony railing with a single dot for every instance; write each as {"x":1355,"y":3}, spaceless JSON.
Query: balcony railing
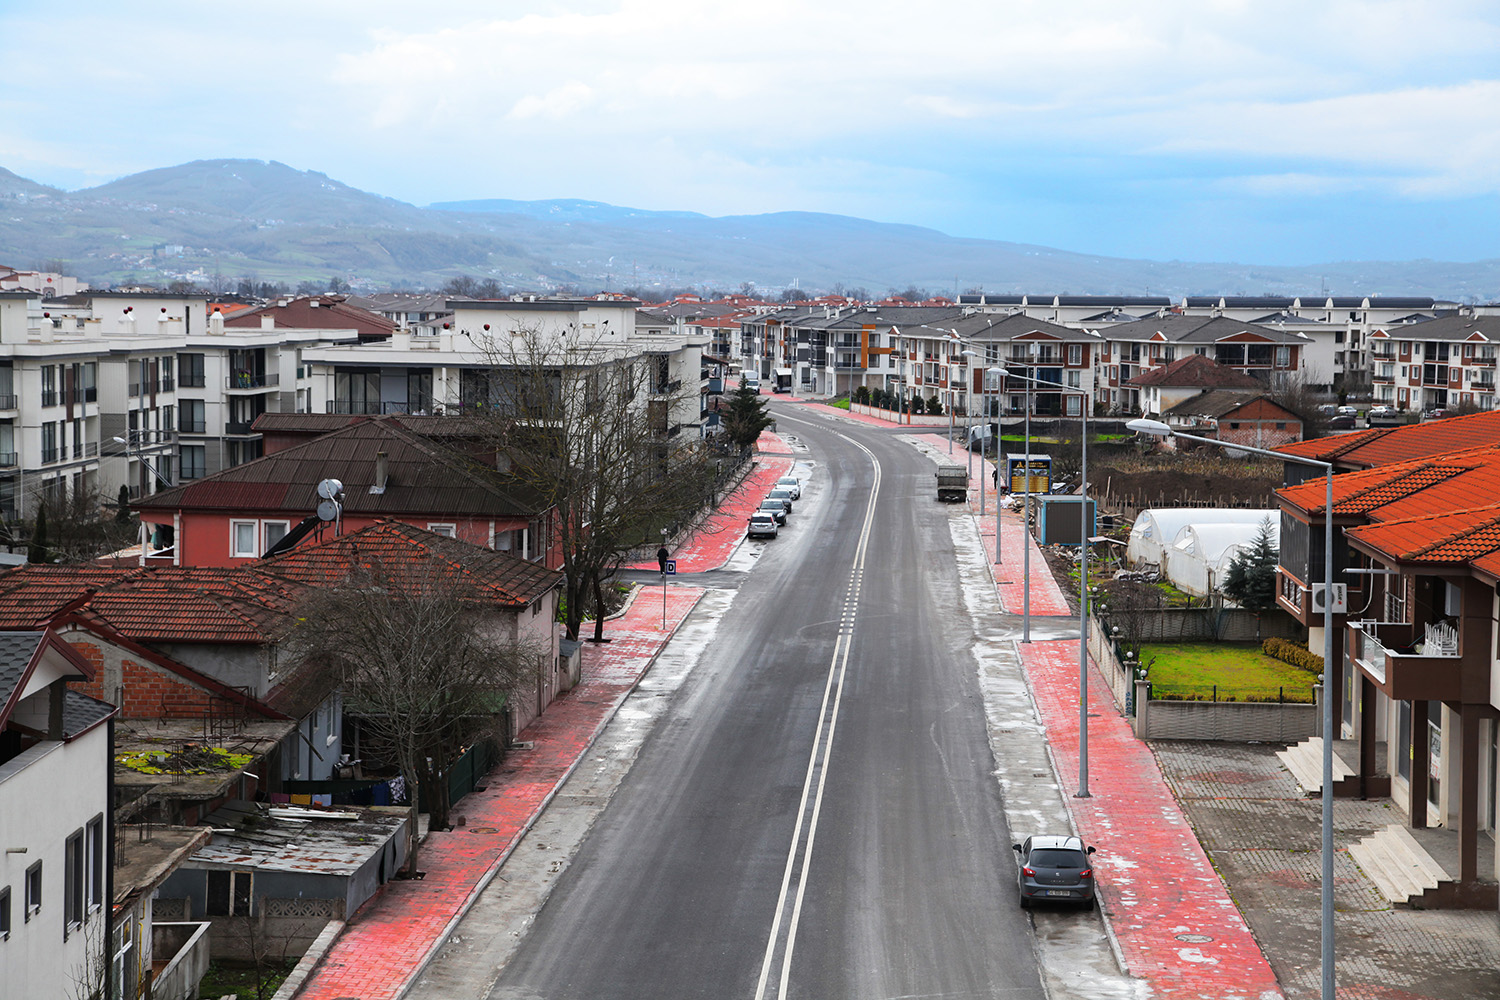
{"x":49,"y":455}
{"x":8,"y":402}
{"x":250,"y":380}
{"x":238,"y":427}
{"x":1410,"y":664}
{"x":49,"y":397}
{"x":9,"y":459}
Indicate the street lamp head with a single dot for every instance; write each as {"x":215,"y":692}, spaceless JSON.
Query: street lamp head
{"x":1155,"y":428}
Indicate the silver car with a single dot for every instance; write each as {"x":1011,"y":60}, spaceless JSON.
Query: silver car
{"x":1054,"y":869}
{"x":791,"y":484}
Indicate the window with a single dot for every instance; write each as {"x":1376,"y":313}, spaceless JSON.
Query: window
{"x":5,"y":914}
{"x":190,"y":416}
{"x":96,"y":863}
{"x":190,"y":370}
{"x":446,"y":530}
{"x":33,"y":890}
{"x":228,"y":894}
{"x":1075,"y":354}
{"x":122,"y":958}
{"x":1075,"y":406}
{"x":1075,"y":380}
{"x":242,"y":539}
{"x":191,"y":458}
{"x":273,"y":532}
{"x":73,"y":883}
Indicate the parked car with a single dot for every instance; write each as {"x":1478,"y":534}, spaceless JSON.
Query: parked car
{"x":763,"y":524}
{"x":782,"y":493}
{"x":1054,"y":869}
{"x":774,"y":507}
{"x":1327,"y":409}
{"x":1347,"y":411}
{"x":1382,"y":411}
{"x":791,"y":483}
{"x":1435,"y":414}
{"x":1341,"y":422}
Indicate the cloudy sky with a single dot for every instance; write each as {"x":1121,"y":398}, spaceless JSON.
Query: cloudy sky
{"x":1262,"y":131}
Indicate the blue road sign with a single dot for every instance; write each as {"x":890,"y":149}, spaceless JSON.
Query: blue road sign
{"x":669,"y":567}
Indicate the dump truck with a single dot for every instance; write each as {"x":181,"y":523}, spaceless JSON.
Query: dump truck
{"x":952,"y":483}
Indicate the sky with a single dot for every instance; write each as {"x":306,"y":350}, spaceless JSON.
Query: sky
{"x":1209,"y":130}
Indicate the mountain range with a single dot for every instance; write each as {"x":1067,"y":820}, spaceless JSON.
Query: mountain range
{"x":215,"y":222}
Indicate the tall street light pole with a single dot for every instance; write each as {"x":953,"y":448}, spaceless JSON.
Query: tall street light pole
{"x":1083,"y":584}
{"x":1156,"y":428}
{"x":1026,"y":515}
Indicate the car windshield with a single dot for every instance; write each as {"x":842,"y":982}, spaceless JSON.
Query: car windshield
{"x":1058,"y":859}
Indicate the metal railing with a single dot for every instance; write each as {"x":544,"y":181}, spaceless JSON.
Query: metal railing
{"x":250,"y":380}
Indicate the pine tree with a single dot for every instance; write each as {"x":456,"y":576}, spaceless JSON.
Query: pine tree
{"x":122,"y":505}
{"x":37,"y":552}
{"x":1251,"y":579}
{"x":747,"y":416}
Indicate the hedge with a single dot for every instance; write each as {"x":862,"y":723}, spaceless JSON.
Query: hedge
{"x":1290,"y":652}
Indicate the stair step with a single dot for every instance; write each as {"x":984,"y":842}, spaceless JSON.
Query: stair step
{"x":1305,"y":761}
{"x":1396,"y":863}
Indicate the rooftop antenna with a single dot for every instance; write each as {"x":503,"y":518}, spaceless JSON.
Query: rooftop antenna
{"x":331,"y":508}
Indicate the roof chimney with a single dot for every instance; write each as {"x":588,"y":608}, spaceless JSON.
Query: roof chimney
{"x":382,"y":473}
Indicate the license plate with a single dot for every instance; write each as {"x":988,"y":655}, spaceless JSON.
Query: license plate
{"x":1058,"y":892}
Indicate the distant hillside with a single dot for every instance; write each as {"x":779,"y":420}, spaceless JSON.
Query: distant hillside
{"x":270,"y":222}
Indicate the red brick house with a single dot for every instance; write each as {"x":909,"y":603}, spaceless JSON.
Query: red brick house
{"x":1229,"y":415}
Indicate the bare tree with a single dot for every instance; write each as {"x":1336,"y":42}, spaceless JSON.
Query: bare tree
{"x":585,"y":424}
{"x":425,"y":664}
{"x":1298,"y":391}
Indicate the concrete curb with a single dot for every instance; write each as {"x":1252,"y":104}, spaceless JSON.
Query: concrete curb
{"x":310,"y":960}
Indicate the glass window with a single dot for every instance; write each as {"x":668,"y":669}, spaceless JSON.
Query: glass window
{"x":190,"y":370}
{"x":192,"y":458}
{"x":73,"y":883}
{"x":190,"y":416}
{"x":446,"y":530}
{"x":5,"y":913}
{"x":33,"y":890}
{"x":274,"y":532}
{"x":96,"y":862}
{"x":1075,"y":354}
{"x":242,"y":539}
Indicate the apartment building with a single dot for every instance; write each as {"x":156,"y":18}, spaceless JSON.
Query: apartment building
{"x":451,"y":366}
{"x":102,"y":389}
{"x":1428,"y":364}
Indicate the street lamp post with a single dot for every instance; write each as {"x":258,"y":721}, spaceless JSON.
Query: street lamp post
{"x":1083,"y":578}
{"x":1026,"y":516}
{"x":1158,"y":429}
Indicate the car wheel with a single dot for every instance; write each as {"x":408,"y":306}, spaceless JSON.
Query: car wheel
{"x":1025,"y":903}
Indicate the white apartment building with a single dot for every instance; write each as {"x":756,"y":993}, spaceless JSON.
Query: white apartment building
{"x":447,"y":366}
{"x":103,"y":389}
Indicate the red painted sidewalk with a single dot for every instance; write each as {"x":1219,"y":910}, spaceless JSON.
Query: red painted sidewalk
{"x":710,"y":545}
{"x":1176,"y":925}
{"x":389,"y":940}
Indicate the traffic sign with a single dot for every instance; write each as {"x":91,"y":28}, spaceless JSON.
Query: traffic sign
{"x":669,"y":567}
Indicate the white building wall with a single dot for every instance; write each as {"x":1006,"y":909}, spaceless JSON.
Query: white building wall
{"x":46,"y":794}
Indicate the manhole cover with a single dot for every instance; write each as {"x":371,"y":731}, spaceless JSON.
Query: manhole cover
{"x":1194,"y":938}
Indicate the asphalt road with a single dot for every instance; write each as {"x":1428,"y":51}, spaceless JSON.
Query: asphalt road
{"x":814,"y":813}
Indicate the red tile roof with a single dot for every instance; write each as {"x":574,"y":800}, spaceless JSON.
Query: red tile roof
{"x":1390,"y":492}
{"x":253,"y":604}
{"x":1385,"y":445}
{"x":1197,"y":371}
{"x":1454,"y":537}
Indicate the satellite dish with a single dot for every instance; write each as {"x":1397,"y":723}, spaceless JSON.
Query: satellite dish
{"x":328,"y":489}
{"x":328,"y":511}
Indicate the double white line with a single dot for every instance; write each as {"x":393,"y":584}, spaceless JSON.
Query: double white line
{"x":783,"y":934}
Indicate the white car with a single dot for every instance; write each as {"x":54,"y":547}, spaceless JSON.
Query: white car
{"x":791,"y":484}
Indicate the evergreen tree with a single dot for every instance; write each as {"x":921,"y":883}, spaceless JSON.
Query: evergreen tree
{"x":747,"y":416}
{"x":1251,"y":579}
{"x":122,"y":505}
{"x":37,"y":552}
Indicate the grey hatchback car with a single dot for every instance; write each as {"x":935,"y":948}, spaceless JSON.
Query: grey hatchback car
{"x":1056,"y":870}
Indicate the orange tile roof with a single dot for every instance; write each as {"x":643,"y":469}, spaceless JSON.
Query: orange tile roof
{"x":1457,"y":536}
{"x":1385,"y":445}
{"x":1387,"y":492}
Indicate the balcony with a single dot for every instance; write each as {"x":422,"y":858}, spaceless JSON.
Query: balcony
{"x":49,"y":397}
{"x":239,"y":427}
{"x":1410,"y":663}
{"x":9,"y":402}
{"x":251,"y":382}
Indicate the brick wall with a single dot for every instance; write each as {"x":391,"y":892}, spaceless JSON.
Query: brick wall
{"x":142,"y":690}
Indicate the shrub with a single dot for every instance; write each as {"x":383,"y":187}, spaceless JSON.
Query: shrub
{"x":1290,"y":652}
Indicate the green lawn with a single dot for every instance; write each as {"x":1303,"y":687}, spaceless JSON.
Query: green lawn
{"x":1240,"y":672}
